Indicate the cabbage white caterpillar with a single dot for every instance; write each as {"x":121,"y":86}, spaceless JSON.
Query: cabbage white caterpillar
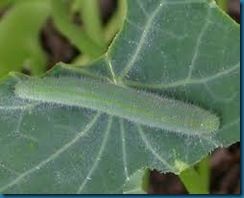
{"x":128,"y":103}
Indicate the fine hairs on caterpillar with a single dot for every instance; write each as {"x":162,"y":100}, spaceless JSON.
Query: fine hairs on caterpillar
{"x":128,"y":103}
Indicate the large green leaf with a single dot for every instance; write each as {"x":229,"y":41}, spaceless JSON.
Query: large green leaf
{"x":185,"y":49}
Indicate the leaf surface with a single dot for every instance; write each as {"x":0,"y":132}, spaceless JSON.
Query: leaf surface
{"x":184,"y":49}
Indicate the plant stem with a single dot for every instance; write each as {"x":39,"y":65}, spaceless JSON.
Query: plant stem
{"x":91,"y":19}
{"x":203,"y":170}
{"x":145,"y":180}
{"x":76,"y":35}
{"x":116,"y":21}
{"x":109,"y":31}
{"x":197,"y":182}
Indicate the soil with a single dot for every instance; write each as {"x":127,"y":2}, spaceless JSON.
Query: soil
{"x":224,"y":163}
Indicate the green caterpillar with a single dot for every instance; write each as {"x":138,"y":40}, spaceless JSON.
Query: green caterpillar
{"x":128,"y":103}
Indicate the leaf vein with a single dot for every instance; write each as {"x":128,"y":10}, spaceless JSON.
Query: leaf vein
{"x":110,"y":68}
{"x":142,"y":8}
{"x":97,"y":159}
{"x":122,"y":130}
{"x":141,"y":42}
{"x":183,"y":82}
{"x":153,"y":151}
{"x":220,"y":99}
{"x":3,"y":166}
{"x":198,"y":44}
{"x":53,"y":156}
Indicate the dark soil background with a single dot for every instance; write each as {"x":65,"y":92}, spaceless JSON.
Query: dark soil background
{"x":224,"y":163}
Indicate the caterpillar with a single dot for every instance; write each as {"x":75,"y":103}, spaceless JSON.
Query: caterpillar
{"x":128,"y":103}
